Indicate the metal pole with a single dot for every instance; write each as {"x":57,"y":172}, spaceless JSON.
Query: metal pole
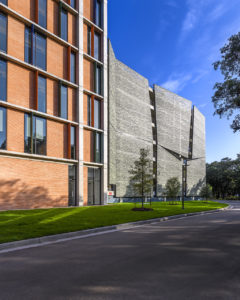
{"x":183,"y":186}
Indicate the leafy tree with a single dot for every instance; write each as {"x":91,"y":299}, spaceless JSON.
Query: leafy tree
{"x":226,"y":99}
{"x":206,"y":191}
{"x":142,"y":175}
{"x":172,"y":188}
{"x":224,"y":177}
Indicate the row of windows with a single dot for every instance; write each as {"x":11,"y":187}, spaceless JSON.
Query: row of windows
{"x":35,"y":134}
{"x":35,"y":47}
{"x":35,"y":137}
{"x":41,"y":92}
{"x":93,"y":105}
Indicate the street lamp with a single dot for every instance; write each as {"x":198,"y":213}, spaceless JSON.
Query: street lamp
{"x":184,"y":177}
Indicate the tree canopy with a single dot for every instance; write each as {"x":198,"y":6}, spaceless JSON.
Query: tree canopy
{"x":142,"y":175}
{"x":226,"y":98}
{"x":224,"y":177}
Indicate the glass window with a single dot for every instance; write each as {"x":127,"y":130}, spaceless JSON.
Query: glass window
{"x":40,"y":51}
{"x":89,"y":110}
{"x":63,"y":102}
{"x":34,"y":135}
{"x":73,"y":142}
{"x":73,"y":3}
{"x":3,"y":80}
{"x":42,"y":13}
{"x":98,"y":146}
{"x":3,"y":32}
{"x":97,"y":114}
{"x":98,"y":13}
{"x":41,"y":94}
{"x":28,"y":45}
{"x":73,"y":67}
{"x":35,"y":48}
{"x":3,"y":129}
{"x":27,"y":133}
{"x":4,"y":2}
{"x":64,"y":24}
{"x":97,"y":46}
{"x":39,"y":136}
{"x":98,"y":80}
{"x":94,"y":186}
{"x":89,"y":39}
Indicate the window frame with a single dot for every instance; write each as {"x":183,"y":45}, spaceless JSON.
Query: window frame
{"x":45,"y":104}
{"x":6,"y":33}
{"x":32,"y":55}
{"x":4,"y":126}
{"x":73,"y":146}
{"x":100,"y":84}
{"x":73,"y":72}
{"x":45,"y":15}
{"x":6,"y":82}
{"x":62,"y":10}
{"x":100,"y":3}
{"x":33,"y":131}
{"x":89,"y":110}
{"x":60,"y":101}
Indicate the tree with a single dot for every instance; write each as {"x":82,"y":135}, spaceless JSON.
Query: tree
{"x":172,"y":188}
{"x":142,"y":175}
{"x":206,"y":191}
{"x":226,"y":99}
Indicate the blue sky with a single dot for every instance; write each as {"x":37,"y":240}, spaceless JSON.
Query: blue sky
{"x":173,"y":43}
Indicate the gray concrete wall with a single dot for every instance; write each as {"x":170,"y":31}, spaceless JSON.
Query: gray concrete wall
{"x":173,"y":130}
{"x":130,"y":125}
{"x":130,"y":129}
{"x":197,"y":168}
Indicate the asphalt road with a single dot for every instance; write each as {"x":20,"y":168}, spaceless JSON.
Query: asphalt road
{"x":192,"y":258}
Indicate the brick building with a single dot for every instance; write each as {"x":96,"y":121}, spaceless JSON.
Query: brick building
{"x":53,"y":103}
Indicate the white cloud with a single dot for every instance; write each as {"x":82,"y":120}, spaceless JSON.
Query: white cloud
{"x":176,"y":82}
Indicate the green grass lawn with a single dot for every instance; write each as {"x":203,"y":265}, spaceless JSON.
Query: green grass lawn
{"x":25,"y":224}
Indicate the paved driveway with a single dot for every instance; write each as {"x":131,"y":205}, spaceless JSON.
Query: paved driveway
{"x":192,"y":258}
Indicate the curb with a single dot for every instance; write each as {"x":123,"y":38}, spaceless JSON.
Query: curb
{"x":63,"y":237}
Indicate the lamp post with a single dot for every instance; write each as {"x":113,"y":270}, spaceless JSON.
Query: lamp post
{"x":184,"y":177}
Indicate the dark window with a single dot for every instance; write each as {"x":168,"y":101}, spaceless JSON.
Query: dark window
{"x":98,"y":79}
{"x":42,"y":13}
{"x":39,"y":136}
{"x":64,"y":24}
{"x":98,"y":146}
{"x":35,"y":135}
{"x":98,"y":13}
{"x":35,"y":48}
{"x":73,"y":3}
{"x":97,"y":46}
{"x":63,"y":105}
{"x":3,"y":80}
{"x":28,"y":45}
{"x":72,"y":185}
{"x":89,"y":41}
{"x":89,"y":110}
{"x":73,"y":142}
{"x":3,"y":128}
{"x":40,"y":51}
{"x":3,"y":32}
{"x":97,"y":114}
{"x":4,"y":2}
{"x":73,"y":67}
{"x":27,"y":133}
{"x":41,"y":94}
{"x":94,"y":186}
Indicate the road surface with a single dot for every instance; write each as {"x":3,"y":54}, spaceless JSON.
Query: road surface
{"x":191,"y":258}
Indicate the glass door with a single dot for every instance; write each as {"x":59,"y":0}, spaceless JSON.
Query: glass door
{"x":72,"y":185}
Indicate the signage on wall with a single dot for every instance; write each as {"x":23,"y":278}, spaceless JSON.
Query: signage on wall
{"x":110,"y":193}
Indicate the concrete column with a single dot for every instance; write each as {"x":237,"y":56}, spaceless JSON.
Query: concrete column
{"x":80,"y":105}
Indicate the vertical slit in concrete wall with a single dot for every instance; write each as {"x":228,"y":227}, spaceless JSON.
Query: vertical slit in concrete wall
{"x":154,"y":138}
